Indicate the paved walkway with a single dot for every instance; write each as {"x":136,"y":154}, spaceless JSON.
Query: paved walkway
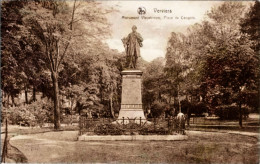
{"x":244,"y":133}
{"x":251,"y":134}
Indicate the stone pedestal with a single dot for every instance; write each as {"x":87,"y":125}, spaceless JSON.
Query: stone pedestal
{"x":131,"y":100}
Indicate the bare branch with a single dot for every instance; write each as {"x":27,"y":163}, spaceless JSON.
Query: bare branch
{"x":49,"y":58}
{"x":64,"y":53}
{"x":72,"y":16}
{"x":78,"y":4}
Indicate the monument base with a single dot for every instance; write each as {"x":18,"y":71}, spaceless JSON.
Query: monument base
{"x":126,"y":116}
{"x":131,"y":114}
{"x":131,"y":100}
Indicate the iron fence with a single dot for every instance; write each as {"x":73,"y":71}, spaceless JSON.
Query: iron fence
{"x":109,"y":126}
{"x":106,"y":126}
{"x":208,"y":122}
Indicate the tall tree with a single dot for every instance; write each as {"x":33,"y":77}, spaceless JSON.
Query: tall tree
{"x":177,"y":63}
{"x":250,"y":24}
{"x":51,"y":23}
{"x":231,"y":64}
{"x":20,"y":60}
{"x":155,"y":90}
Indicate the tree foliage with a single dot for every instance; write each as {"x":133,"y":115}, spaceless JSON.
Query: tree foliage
{"x":54,"y":47}
{"x":215,"y":62}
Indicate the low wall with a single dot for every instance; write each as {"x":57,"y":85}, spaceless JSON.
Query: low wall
{"x":177,"y":137}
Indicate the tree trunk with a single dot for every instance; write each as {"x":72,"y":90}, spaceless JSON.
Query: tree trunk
{"x":8,"y":100}
{"x":71,"y":110}
{"x":43,"y":91}
{"x":240,"y":115}
{"x":34,"y":93}
{"x":111,"y":105}
{"x":56,"y":100}
{"x":179,"y":102}
{"x":12,"y":97}
{"x":3,"y":98}
{"x":26,"y":95}
{"x":188,"y":116}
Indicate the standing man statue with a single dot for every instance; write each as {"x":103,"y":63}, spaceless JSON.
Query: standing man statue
{"x":132,"y":44}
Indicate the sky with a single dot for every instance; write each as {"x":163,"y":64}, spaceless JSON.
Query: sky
{"x":155,"y":32}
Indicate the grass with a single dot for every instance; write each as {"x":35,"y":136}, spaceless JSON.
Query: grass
{"x":47,"y":145}
{"x":201,"y":147}
{"x":14,"y":154}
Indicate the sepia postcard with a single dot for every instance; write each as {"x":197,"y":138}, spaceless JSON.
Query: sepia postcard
{"x":92,"y":81}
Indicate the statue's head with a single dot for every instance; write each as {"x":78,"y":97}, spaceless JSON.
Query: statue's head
{"x":134,"y":28}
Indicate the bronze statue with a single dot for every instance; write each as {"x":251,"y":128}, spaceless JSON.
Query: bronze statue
{"x":132,"y":44}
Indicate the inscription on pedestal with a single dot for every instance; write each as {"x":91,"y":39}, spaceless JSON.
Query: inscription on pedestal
{"x":131,"y":106}
{"x":131,"y":100}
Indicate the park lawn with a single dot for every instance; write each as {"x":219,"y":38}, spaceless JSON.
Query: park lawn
{"x":201,"y":147}
{"x":15,"y":154}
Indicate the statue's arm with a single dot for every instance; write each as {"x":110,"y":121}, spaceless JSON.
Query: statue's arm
{"x":127,"y":39}
{"x":139,"y":37}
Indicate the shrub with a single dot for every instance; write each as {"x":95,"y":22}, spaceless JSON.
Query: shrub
{"x":20,"y":115}
{"x":231,"y":112}
{"x":199,"y":108}
{"x":36,"y":113}
{"x":227,"y":112}
{"x":149,"y":130}
{"x":158,"y":108}
{"x":41,"y":110}
{"x":185,"y":106}
{"x":108,"y":129}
